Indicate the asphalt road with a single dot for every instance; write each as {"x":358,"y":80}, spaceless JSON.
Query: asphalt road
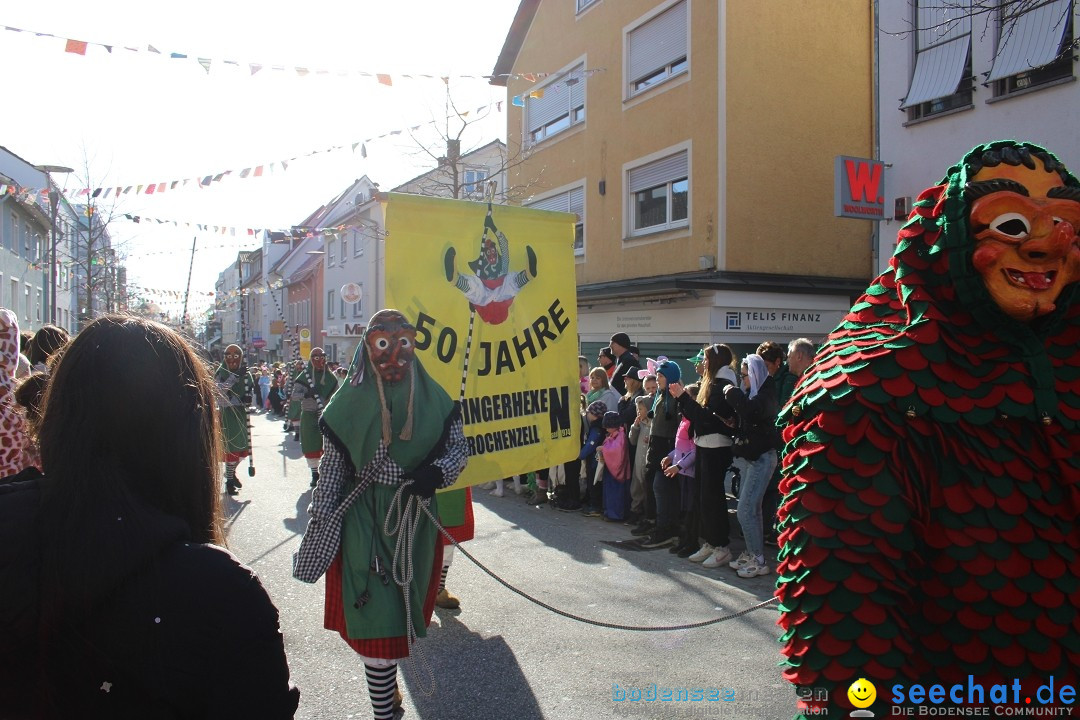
{"x":501,"y":656}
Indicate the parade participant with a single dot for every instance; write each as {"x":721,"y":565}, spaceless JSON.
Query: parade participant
{"x":456,"y":517}
{"x":932,"y":468}
{"x":312,"y":390}
{"x":17,"y":451}
{"x":118,"y":600}
{"x":394,"y":437}
{"x":234,"y":384}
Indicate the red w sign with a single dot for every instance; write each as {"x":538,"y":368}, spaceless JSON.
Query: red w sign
{"x":859,"y":188}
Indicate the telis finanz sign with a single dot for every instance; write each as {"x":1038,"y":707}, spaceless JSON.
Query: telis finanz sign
{"x":859,"y":185}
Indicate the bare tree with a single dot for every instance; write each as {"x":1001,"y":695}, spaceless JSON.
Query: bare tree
{"x":449,"y":178}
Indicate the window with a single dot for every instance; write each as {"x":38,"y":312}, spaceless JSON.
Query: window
{"x":356,"y":305}
{"x":26,"y":240}
{"x":557,"y":106}
{"x":1034,"y":47}
{"x":27,"y":309}
{"x":582,"y":4}
{"x":344,"y":249}
{"x":572,"y":201}
{"x":659,"y":194}
{"x":15,"y":296}
{"x":11,"y":240}
{"x":658,"y":49}
{"x":942,"y":77}
{"x":330,"y":304}
{"x":357,"y":246}
{"x":474,"y":177}
{"x":330,"y":252}
{"x":37,"y":307}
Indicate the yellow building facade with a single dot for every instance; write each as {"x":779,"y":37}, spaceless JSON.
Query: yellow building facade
{"x":695,"y":139}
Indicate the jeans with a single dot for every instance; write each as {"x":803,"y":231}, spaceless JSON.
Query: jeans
{"x":756,"y":476}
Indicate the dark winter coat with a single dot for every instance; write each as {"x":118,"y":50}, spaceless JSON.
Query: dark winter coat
{"x":757,"y":420}
{"x":182,"y":630}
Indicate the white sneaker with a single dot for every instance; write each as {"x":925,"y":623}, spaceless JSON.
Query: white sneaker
{"x":754,"y":568}
{"x":719,"y":556}
{"x":705,"y":551}
{"x":744,"y":559}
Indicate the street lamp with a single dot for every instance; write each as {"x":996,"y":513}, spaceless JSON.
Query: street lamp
{"x":54,"y":200}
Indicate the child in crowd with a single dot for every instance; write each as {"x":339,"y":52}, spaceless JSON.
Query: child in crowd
{"x":583,"y":372}
{"x":616,"y":468}
{"x":594,"y":436}
{"x":679,"y":464}
{"x":639,"y":439}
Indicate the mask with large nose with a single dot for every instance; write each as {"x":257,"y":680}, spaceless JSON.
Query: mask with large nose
{"x":391,"y":345}
{"x":234,"y":358}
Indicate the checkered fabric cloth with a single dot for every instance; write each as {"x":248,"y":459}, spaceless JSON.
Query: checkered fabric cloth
{"x":322,"y":539}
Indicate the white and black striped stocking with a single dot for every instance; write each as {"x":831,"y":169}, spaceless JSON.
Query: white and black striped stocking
{"x":381,"y":682}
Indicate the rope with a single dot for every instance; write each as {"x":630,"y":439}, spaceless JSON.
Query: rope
{"x":589,"y":621}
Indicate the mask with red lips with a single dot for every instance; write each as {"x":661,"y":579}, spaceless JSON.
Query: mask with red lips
{"x":391,"y":345}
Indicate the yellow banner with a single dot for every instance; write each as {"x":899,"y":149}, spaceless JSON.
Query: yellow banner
{"x":500,"y":288}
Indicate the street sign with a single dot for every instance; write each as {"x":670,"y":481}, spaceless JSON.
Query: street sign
{"x":259,"y":343}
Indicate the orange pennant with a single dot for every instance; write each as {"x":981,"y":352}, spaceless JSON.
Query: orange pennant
{"x":75,"y":46}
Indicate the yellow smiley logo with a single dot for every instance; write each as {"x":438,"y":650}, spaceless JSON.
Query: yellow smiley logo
{"x":862,"y":693}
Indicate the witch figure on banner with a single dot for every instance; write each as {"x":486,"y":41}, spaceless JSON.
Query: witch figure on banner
{"x":489,"y":286}
{"x":234,"y":384}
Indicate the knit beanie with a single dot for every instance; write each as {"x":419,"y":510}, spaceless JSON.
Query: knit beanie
{"x":611,"y":420}
{"x":597,"y":408}
{"x":670,"y":371}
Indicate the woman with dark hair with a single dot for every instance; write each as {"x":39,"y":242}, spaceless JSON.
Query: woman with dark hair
{"x":47,"y":341}
{"x":713,"y":425}
{"x":119,"y":600}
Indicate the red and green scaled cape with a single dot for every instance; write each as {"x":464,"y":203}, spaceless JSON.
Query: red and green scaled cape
{"x":932,"y":481}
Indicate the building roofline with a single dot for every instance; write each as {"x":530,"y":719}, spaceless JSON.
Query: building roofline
{"x":515,"y":38}
{"x":426,"y":173}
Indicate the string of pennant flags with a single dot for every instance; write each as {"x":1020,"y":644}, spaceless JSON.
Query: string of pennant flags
{"x":80,"y":47}
{"x":255,"y":171}
{"x":295,"y":232}
{"x":270,"y":168}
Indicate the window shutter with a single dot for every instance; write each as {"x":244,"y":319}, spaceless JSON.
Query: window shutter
{"x":545,"y":109}
{"x":558,"y":203}
{"x":1031,"y":40}
{"x":657,"y":43}
{"x":938,"y":71}
{"x":577,"y":90}
{"x":673,"y":167}
{"x":577,"y":202}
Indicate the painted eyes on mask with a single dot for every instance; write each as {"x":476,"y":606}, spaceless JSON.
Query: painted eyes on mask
{"x":382,"y":343}
{"x":405,"y":342}
{"x":1012,"y":225}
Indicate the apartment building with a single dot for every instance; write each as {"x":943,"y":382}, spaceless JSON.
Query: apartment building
{"x":954,"y":75}
{"x":696,"y":141}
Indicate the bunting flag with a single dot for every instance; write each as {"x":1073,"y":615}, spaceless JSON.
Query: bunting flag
{"x":267,"y":168}
{"x":79,"y":47}
{"x":276,"y":235}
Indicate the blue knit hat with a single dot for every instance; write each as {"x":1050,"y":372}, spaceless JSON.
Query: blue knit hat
{"x":670,"y":371}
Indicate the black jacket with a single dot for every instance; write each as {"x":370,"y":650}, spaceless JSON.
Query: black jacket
{"x":710,"y":418}
{"x":757,"y":431}
{"x":625,"y":360}
{"x":182,"y":630}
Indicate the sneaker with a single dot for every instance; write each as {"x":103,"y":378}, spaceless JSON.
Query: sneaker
{"x":590,"y":512}
{"x":537,"y":498}
{"x":754,"y":568}
{"x":719,"y":556}
{"x":660,"y":538}
{"x":643,"y":528}
{"x":686,"y":551}
{"x":705,"y":551}
{"x":632,"y":518}
{"x":744,"y":558}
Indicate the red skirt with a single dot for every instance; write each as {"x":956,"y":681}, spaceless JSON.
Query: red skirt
{"x":390,"y":648}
